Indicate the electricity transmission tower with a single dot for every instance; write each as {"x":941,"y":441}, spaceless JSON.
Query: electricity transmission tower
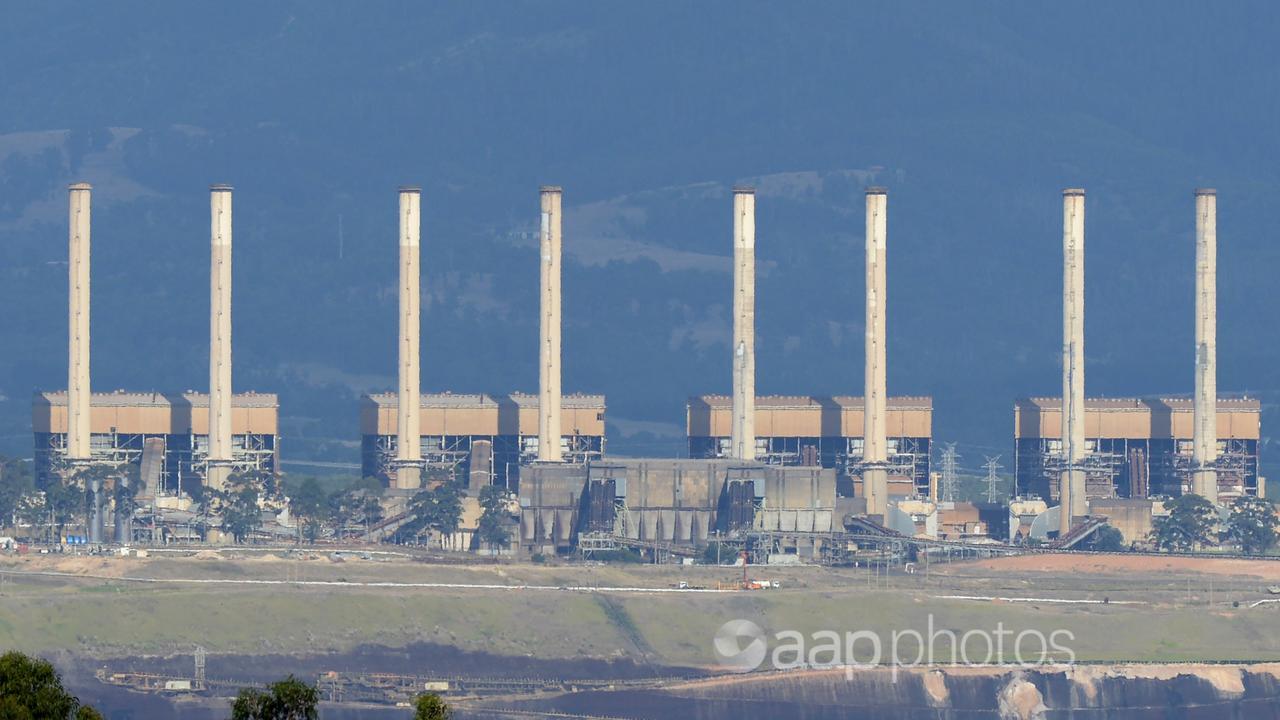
{"x":992,"y":465}
{"x":950,"y":480}
{"x":199,"y":657}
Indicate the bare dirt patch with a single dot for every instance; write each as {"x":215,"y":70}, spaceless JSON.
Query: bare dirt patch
{"x":1121,"y":564}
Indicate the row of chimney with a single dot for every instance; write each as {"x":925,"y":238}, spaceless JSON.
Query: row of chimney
{"x":1204,"y":479}
{"x":78,"y":387}
{"x":875,"y":468}
{"x":743,"y":442}
{"x":408,"y":462}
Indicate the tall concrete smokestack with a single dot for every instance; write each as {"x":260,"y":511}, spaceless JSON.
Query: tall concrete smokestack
{"x":549,"y":328}
{"x":408,"y":428}
{"x":1204,"y":480}
{"x":78,"y":322}
{"x":875,"y":472}
{"x":743,"y":431}
{"x":219,"y":460}
{"x":1072,"y":480}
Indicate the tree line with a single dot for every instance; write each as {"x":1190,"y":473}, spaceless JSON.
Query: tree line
{"x":1193,"y":523}
{"x":32,"y":689}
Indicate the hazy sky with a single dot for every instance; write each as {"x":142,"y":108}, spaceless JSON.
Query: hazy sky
{"x":975,"y":115}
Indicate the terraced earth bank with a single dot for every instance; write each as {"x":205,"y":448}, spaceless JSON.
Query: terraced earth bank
{"x":1155,"y":637}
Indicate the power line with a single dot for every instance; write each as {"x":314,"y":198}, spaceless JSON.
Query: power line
{"x":992,"y":465}
{"x":950,"y":479}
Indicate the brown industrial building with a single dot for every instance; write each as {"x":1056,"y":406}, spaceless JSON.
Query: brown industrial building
{"x":167,"y":435}
{"x":817,"y":431}
{"x":1136,"y":448}
{"x":673,"y":502}
{"x":474,"y":434}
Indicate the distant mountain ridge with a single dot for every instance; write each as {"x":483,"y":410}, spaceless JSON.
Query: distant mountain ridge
{"x":974,"y":118}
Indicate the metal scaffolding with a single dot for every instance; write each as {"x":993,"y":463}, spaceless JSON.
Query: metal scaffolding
{"x":1134,"y":467}
{"x":451,"y":455}
{"x":908,"y":456}
{"x":184,"y":461}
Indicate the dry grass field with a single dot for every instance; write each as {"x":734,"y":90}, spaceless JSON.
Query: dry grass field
{"x":1156,"y":610}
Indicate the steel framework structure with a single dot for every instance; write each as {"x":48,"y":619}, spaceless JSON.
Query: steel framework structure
{"x":184,"y":462}
{"x":908,"y":456}
{"x":451,"y":455}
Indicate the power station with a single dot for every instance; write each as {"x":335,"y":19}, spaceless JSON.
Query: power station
{"x":1074,"y":449}
{"x":176,"y":444}
{"x":1136,"y":447}
{"x":821,"y":431}
{"x":461,"y":434}
{"x":792,"y":474}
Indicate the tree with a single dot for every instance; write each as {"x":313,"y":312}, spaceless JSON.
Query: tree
{"x":358,"y":502}
{"x":17,"y":488}
{"x":62,"y":503}
{"x":492,"y":528}
{"x":1253,"y":524}
{"x":238,"y":502}
{"x":1188,"y":525}
{"x":371,"y":509}
{"x":288,"y":699}
{"x":438,"y":509}
{"x":240,"y":514}
{"x":713,"y":553}
{"x":309,"y":504}
{"x":1106,"y":539}
{"x":265,"y":484}
{"x":30,"y":689}
{"x":429,"y":706}
{"x":341,"y":506}
{"x":128,"y":483}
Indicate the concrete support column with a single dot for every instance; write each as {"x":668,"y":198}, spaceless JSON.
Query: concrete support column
{"x":743,"y":431}
{"x":95,"y":511}
{"x":408,"y":420}
{"x":875,"y":473}
{"x":123,"y":513}
{"x":1072,"y":482}
{"x":549,"y":327}
{"x":1205,"y":433}
{"x":78,"y":393}
{"x":219,"y":459}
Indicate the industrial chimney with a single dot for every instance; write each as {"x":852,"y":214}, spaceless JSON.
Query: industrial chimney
{"x":875,"y":472}
{"x":78,"y":393}
{"x":1204,"y":480}
{"x":549,"y":328}
{"x":743,"y":431}
{"x":219,"y":459}
{"x":1072,"y":480}
{"x":408,"y":441}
